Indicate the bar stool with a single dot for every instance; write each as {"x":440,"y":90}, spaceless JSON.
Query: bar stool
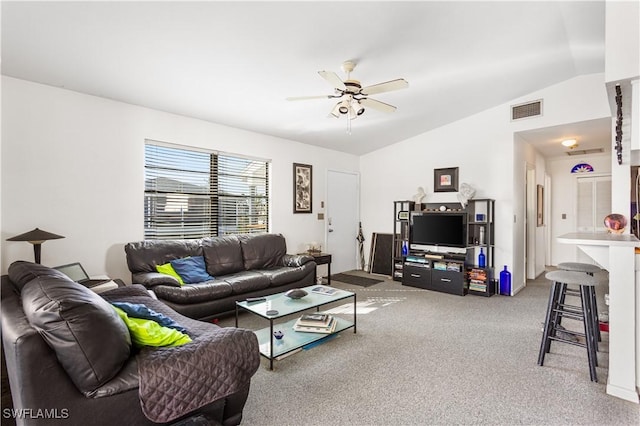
{"x":589,"y":269}
{"x":557,"y":309}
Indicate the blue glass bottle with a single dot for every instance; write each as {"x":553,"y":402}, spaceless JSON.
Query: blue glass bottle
{"x":482,"y":259}
{"x":505,"y":282}
{"x":405,"y":248}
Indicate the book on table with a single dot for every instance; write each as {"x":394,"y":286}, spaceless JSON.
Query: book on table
{"x":316,"y":327}
{"x":315,"y":319}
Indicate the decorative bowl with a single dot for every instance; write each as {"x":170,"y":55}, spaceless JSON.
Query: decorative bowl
{"x":615,"y":223}
{"x":296,"y":293}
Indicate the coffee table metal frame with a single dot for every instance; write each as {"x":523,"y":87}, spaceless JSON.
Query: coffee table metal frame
{"x":272,"y":348}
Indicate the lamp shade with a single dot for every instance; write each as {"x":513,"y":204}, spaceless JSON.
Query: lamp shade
{"x":37,"y":235}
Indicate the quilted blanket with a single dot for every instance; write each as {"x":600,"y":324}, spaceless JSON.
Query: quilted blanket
{"x":175,"y":381}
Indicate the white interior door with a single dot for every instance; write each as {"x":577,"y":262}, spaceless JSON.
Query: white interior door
{"x":530,"y":223}
{"x":343,"y":213}
{"x":593,"y":204}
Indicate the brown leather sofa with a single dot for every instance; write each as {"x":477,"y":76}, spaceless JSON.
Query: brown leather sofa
{"x":249,"y":265}
{"x":71,"y":362}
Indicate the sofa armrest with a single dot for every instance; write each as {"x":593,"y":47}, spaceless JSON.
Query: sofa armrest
{"x":224,"y":359}
{"x":294,"y":260}
{"x":150,"y":279}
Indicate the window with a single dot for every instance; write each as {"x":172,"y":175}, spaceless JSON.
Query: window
{"x":193,"y":193}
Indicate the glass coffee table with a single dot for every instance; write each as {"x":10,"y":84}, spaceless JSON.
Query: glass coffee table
{"x":272,"y":348}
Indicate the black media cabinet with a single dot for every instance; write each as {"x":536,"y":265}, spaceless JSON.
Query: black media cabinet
{"x":450,"y":272}
{"x":438,"y":273}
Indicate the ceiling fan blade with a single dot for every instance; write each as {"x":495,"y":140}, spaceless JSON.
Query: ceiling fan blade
{"x":333,"y":79}
{"x":380,"y":106}
{"x":304,"y":98}
{"x":387,"y":86}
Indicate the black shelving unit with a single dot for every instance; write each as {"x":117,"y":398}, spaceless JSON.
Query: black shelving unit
{"x":401,"y":212}
{"x":481,"y":235}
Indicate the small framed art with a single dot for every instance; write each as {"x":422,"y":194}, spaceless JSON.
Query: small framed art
{"x":302,"y":188}
{"x":540,"y":206}
{"x":445,"y":180}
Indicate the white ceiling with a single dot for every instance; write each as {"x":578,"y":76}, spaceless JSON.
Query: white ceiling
{"x":234,"y":63}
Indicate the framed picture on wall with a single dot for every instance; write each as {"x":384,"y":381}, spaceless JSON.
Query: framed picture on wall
{"x":445,"y":180}
{"x":302,"y":188}
{"x":540,"y":206}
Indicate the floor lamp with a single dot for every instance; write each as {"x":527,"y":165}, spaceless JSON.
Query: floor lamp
{"x":36,"y":237}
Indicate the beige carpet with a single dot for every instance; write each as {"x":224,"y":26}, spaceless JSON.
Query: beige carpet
{"x":423,"y":358}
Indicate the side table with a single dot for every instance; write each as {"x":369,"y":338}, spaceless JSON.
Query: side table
{"x":322,"y":259}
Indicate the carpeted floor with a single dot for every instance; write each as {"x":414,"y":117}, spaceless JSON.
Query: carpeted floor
{"x":423,"y":358}
{"x":356,"y":278}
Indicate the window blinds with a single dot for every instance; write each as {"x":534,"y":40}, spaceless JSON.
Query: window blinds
{"x":193,"y":194}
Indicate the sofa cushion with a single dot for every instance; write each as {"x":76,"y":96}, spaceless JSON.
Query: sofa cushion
{"x":146,"y":332}
{"x":90,"y":340}
{"x":192,"y":270}
{"x":262,"y":251}
{"x":22,"y":272}
{"x":143,"y":256}
{"x":246,"y":282}
{"x":193,"y":293}
{"x":222,"y":255}
{"x":285,"y":275}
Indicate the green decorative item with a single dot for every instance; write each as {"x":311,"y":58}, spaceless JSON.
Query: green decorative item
{"x":167,"y":269}
{"x":149,"y":333}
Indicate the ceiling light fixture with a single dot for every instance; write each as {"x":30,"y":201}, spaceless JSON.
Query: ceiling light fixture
{"x":352,"y":97}
{"x":570,"y":143}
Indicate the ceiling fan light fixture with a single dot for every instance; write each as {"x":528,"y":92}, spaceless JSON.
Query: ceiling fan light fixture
{"x":336,"y":111}
{"x":359,"y":109}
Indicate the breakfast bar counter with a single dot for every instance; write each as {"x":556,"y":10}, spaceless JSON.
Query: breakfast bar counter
{"x":616,"y":254}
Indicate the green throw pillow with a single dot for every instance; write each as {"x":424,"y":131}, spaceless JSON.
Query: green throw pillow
{"x":167,"y":269}
{"x":149,"y":333}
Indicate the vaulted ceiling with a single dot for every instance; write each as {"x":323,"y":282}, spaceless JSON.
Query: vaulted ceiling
{"x":234,"y":63}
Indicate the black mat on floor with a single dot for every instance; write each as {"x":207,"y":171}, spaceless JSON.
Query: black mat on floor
{"x":355,"y":279}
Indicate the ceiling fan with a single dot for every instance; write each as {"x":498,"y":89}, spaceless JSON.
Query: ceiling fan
{"x":353,"y":98}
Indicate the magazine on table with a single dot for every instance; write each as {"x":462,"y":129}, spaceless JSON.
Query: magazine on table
{"x":323,"y":289}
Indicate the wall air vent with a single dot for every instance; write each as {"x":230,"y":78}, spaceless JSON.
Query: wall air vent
{"x":530,"y":109}
{"x":585,"y":151}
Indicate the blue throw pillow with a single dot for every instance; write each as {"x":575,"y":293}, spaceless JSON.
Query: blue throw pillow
{"x":191,"y":269}
{"x":141,"y":311}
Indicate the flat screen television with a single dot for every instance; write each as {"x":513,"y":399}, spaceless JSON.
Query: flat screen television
{"x":448,"y":229}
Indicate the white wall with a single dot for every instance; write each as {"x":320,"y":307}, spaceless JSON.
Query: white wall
{"x":622,"y":40}
{"x":72,"y":164}
{"x":482,"y":146}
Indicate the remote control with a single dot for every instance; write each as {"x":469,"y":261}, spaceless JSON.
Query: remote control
{"x":255,"y":299}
